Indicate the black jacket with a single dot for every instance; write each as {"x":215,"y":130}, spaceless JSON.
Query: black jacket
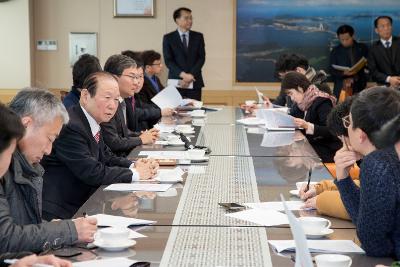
{"x":177,"y":60}
{"x":323,"y":142}
{"x":141,"y":118}
{"x":77,"y":166}
{"x":383,"y":62}
{"x":148,"y":92}
{"x":117,"y":136}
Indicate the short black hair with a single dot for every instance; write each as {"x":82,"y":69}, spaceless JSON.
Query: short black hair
{"x":345,"y":29}
{"x":293,"y":80}
{"x":334,"y":119}
{"x":374,"y":107}
{"x":11,"y":127}
{"x":83,"y":67}
{"x":177,"y":12}
{"x":92,"y":81}
{"x":136,"y":56}
{"x":149,"y":56}
{"x":389,"y":134}
{"x":382,"y":17}
{"x":116,"y":64}
{"x":289,"y":62}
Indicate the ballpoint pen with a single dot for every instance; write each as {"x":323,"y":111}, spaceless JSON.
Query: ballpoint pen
{"x":309,"y":179}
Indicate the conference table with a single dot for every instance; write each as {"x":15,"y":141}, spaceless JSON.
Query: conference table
{"x":244,"y":166}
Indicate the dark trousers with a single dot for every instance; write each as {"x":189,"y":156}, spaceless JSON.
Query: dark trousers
{"x":194,"y":93}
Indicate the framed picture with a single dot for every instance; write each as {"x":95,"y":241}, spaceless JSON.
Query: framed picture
{"x":81,"y":43}
{"x":266,"y":29}
{"x":133,"y":8}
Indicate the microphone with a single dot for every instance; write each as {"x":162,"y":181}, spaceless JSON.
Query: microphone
{"x":186,"y":141}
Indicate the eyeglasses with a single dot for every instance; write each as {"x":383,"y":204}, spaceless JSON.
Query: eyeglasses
{"x":346,"y":121}
{"x":136,"y":77}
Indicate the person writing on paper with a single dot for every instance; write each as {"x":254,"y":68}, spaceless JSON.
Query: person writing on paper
{"x":184,"y":54}
{"x":373,"y":207}
{"x":80,"y":161}
{"x":324,"y":196}
{"x":116,"y":134}
{"x":347,"y":54}
{"x":40,"y":115}
{"x":316,"y":106}
{"x":384,"y":55}
{"x":140,"y":115}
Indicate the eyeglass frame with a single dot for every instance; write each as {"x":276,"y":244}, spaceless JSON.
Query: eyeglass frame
{"x":137,"y":77}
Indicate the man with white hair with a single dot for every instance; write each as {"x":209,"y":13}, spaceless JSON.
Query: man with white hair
{"x":21,"y":225}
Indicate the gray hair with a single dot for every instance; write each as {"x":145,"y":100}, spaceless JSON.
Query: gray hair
{"x":39,"y":104}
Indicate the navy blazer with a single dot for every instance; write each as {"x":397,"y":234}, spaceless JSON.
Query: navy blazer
{"x":117,"y":136}
{"x":77,"y":166}
{"x":381,"y":64}
{"x":177,"y":60}
{"x":323,"y":142}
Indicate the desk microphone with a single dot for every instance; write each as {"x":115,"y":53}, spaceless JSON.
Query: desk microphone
{"x":186,"y":141}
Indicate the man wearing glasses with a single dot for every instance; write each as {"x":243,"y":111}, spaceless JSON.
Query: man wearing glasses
{"x":184,"y":54}
{"x":384,"y":57}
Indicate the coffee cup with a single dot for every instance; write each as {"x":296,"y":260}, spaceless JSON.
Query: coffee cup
{"x":314,"y":225}
{"x":195,"y":153}
{"x":113,"y":235}
{"x":333,"y":260}
{"x":249,"y":102}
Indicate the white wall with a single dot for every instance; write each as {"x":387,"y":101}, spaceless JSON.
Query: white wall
{"x":15,"y":55}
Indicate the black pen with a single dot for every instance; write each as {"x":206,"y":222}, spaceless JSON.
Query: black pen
{"x":309,"y":179}
{"x":84,"y":215}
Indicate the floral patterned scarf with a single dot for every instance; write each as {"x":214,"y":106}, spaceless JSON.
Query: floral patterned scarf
{"x":311,"y":94}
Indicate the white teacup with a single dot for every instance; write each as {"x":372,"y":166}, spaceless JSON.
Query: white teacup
{"x":173,"y":138}
{"x":198,"y":112}
{"x":196,"y":153}
{"x":113,"y":235}
{"x":184,"y":128}
{"x":314,"y":225}
{"x":249,"y":102}
{"x":333,"y":260}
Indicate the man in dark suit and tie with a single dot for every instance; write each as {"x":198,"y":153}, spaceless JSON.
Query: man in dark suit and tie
{"x":184,"y":54}
{"x":80,"y":162}
{"x":384,"y":57}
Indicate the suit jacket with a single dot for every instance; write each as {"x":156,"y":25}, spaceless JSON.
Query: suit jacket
{"x":148,"y":92}
{"x":381,"y":64}
{"x":142,"y":117}
{"x":72,"y":98}
{"x":77,"y":166}
{"x":342,"y":56}
{"x":117,"y":136}
{"x":323,"y":142}
{"x":177,"y":60}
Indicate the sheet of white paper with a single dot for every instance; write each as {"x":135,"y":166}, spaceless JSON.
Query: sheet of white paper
{"x":114,"y":262}
{"x":169,"y":154}
{"x":169,"y":97}
{"x":177,"y":83}
{"x":134,"y":234}
{"x":276,"y":205}
{"x":119,"y":221}
{"x":277,"y":138}
{"x":187,"y":101}
{"x":251,"y":121}
{"x":276,"y":119}
{"x":164,"y":128}
{"x":303,"y":256}
{"x":138,"y":187}
{"x":319,"y":246}
{"x":259,"y":95}
{"x":255,"y":130}
{"x":260,"y":216}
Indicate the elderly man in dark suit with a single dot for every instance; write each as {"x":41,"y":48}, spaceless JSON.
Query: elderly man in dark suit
{"x":184,"y":54}
{"x":80,"y":161}
{"x":384,"y":56}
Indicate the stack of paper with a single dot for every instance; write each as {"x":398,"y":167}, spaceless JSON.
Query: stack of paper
{"x":260,"y":216}
{"x":169,"y":97}
{"x":277,"y":138}
{"x":178,"y":83}
{"x":119,"y":221}
{"x":169,"y":154}
{"x":138,"y":187}
{"x":319,"y":246}
{"x":276,"y":121}
{"x":276,"y":205}
{"x":169,"y":175}
{"x":115,"y":262}
{"x":251,"y":121}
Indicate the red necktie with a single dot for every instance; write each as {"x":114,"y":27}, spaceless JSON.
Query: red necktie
{"x":97,"y":137}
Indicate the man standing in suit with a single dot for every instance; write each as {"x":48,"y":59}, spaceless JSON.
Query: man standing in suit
{"x":184,"y":54}
{"x":384,"y":57}
{"x":80,"y":161}
{"x":117,"y":136}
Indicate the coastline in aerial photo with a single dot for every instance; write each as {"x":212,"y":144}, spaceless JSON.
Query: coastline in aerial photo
{"x":266,"y":29}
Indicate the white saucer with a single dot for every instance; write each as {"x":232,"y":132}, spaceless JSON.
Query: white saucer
{"x":187,"y":132}
{"x":115,"y":247}
{"x":202,"y":159}
{"x":176,"y":143}
{"x":324,"y":233}
{"x":294,"y":192}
